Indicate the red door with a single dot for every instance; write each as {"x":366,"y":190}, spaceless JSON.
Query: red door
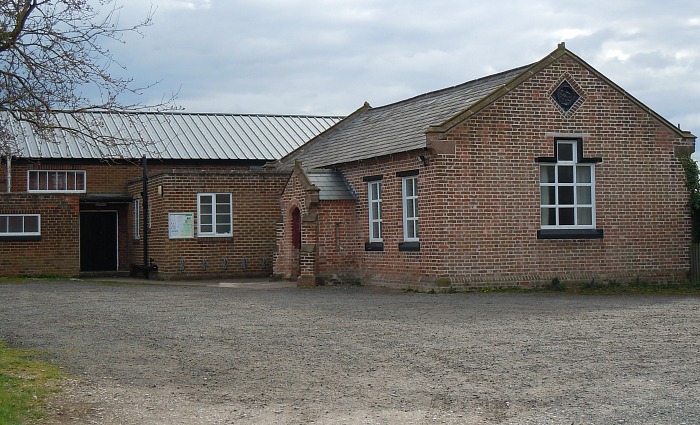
{"x":296,"y":243}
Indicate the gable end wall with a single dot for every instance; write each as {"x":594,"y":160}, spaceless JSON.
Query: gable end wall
{"x":640,"y":195}
{"x":479,"y":207}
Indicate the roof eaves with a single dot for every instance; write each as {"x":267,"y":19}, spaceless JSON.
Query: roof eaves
{"x":332,"y":184}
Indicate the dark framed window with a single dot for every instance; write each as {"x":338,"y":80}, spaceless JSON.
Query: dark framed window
{"x":567,"y":192}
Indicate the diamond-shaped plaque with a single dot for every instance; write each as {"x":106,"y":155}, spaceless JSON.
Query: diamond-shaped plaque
{"x":565,"y":96}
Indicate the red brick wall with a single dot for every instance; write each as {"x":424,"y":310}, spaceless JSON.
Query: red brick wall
{"x":255,"y":198}
{"x":392,"y":266}
{"x":337,"y":239}
{"x":56,"y":253}
{"x":479,"y":208}
{"x":102,"y":177}
{"x":255,"y":241}
{"x":286,"y":260}
{"x":640,"y":196}
{"x":337,"y":230}
{"x":329,"y":235}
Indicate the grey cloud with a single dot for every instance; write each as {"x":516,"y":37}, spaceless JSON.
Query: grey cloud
{"x":329,"y":57}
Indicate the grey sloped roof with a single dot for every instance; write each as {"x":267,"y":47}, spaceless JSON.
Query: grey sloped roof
{"x":175,"y":135}
{"x":332,"y":185}
{"x":397,"y":127}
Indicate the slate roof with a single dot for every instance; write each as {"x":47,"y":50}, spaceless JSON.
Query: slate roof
{"x":178,"y":135}
{"x":394,"y":128}
{"x":401,"y":127}
{"x":332,"y":185}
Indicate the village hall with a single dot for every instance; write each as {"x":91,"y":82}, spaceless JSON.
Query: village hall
{"x":545,"y":171}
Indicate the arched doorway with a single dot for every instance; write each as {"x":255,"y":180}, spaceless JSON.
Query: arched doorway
{"x":296,"y":243}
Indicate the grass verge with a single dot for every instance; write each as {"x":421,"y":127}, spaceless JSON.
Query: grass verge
{"x":26,"y":382}
{"x":33,"y":279}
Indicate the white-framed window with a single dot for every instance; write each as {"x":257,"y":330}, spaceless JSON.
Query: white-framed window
{"x":20,"y":225}
{"x":410,"y":208}
{"x":137,"y":218}
{"x":374,"y":195}
{"x":69,"y":181}
{"x":214,"y":212}
{"x":567,"y":189}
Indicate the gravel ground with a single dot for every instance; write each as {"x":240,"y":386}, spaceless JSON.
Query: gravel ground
{"x":338,"y":355}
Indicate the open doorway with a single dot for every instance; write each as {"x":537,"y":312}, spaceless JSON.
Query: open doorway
{"x":99,"y":241}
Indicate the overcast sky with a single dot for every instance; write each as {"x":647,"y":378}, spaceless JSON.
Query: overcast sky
{"x":329,"y":56}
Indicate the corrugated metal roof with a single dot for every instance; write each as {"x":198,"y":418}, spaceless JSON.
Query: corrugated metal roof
{"x":332,"y":185}
{"x":176,"y":135}
{"x":395,"y":128}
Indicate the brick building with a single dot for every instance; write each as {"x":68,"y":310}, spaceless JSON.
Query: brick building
{"x":545,"y":171}
{"x":70,"y":208}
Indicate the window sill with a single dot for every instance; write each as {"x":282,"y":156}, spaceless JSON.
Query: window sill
{"x":374,"y":246}
{"x":56,"y":192}
{"x":18,"y":238}
{"x":409,"y":246}
{"x":570,"y":234}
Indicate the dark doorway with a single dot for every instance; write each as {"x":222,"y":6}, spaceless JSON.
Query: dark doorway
{"x":98,"y":241}
{"x":296,"y":243}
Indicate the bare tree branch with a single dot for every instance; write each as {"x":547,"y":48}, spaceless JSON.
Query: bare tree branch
{"x":53,"y":60}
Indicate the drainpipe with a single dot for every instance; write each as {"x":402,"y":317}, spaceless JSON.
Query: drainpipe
{"x":8,"y":158}
{"x":144,"y":164}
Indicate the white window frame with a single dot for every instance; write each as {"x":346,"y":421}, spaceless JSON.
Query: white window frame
{"x":410,"y":219}
{"x":576,"y":184}
{"x":47,"y":175}
{"x":5,"y":225}
{"x":217,"y":218}
{"x":137,"y":218}
{"x":372,"y":203}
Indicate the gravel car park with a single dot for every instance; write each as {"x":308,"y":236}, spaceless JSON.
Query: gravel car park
{"x":227,"y":353}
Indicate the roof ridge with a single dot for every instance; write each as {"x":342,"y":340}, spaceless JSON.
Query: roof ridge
{"x":227,"y":114}
{"x":455,"y":87}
